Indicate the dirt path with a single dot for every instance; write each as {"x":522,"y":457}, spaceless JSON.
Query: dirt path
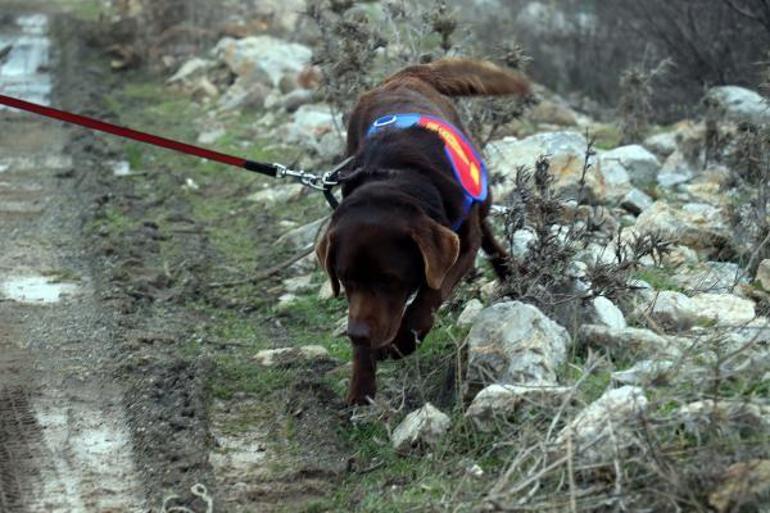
{"x":64,"y":441}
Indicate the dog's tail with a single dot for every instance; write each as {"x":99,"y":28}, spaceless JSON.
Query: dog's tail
{"x":468,"y":77}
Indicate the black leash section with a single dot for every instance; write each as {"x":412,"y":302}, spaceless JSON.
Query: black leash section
{"x":323,"y":183}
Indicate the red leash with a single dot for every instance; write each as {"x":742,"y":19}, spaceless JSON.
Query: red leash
{"x":102,"y":126}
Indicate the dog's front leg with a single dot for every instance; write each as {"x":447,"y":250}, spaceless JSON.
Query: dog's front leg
{"x":416,"y":323}
{"x":363,"y":383}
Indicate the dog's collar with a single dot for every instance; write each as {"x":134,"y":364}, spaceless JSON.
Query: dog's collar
{"x":469,"y":169}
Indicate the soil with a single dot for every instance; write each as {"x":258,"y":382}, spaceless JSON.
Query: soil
{"x":106,"y":399}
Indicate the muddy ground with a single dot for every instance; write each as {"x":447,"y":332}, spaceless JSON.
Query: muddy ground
{"x":124,"y":378}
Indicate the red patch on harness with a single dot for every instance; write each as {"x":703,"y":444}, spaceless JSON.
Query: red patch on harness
{"x":469,"y":168}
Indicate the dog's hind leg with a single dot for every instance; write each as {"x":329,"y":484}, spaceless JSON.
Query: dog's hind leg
{"x":498,"y":257}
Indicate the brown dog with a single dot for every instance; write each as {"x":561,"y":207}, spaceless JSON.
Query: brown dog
{"x":408,"y":228}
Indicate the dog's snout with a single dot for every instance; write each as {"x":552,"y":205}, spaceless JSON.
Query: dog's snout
{"x":359,"y":331}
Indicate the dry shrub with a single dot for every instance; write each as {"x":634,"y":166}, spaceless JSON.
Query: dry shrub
{"x":636,"y":93}
{"x":355,"y":52}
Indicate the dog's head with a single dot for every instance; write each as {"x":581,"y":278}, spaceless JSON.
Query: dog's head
{"x":382,"y":257}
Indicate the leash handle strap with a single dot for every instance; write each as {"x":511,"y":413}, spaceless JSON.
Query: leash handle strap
{"x":143,"y":137}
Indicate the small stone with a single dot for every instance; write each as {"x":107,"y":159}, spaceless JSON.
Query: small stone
{"x":676,"y":169}
{"x":191,"y":70}
{"x":285,"y":301}
{"x":640,"y":165}
{"x":522,"y":242}
{"x":298,"y":283}
{"x":326,"y":291}
{"x":423,"y":427}
{"x":627,"y":341}
{"x":296,"y":99}
{"x":489,"y":290}
{"x":287,"y":355}
{"x":211,"y":135}
{"x":470,"y":312}
{"x":663,"y":144}
{"x":644,"y":372}
{"x":190,"y":185}
{"x":605,"y":312}
{"x":276,"y":194}
{"x":763,"y":274}
{"x":502,"y":401}
{"x":475,"y":471}
{"x":675,"y":310}
{"x":606,"y":426}
{"x":304,"y":236}
{"x":636,"y":201}
{"x":724,"y":309}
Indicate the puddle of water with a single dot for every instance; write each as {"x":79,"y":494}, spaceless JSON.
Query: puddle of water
{"x":24,"y":72}
{"x":36,"y":162}
{"x":93,"y":467}
{"x":35,"y":290}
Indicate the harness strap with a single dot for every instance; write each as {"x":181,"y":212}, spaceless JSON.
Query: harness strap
{"x":469,"y":169}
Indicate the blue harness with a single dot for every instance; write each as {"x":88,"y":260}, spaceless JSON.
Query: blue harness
{"x":469,"y":169}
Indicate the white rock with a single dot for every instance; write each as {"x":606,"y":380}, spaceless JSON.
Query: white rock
{"x":277,"y":194}
{"x":636,"y":201}
{"x":326,"y":292}
{"x":739,"y":104}
{"x":640,"y":165}
{"x":308,"y":127}
{"x":514,"y":343}
{"x":286,"y":301}
{"x":522,"y":242}
{"x":699,"y":226}
{"x":663,"y":144}
{"x":567,"y":153}
{"x":606,"y":426}
{"x":298,"y":283}
{"x":502,"y":401}
{"x":284,"y":355}
{"x":470,"y":312}
{"x":627,"y":341}
{"x":728,"y":416}
{"x":718,"y":277}
{"x":276,"y":57}
{"x":211,"y":135}
{"x":676,"y":169}
{"x":605,"y":312}
{"x":304,"y":236}
{"x":425,"y":426}
{"x":244,"y":93}
{"x":763,"y":274}
{"x":644,"y":372}
{"x":724,"y":309}
{"x":191,"y":70}
{"x":675,"y":310}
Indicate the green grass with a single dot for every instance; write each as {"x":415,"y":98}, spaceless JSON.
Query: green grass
{"x":607,"y":135}
{"x":659,"y":278}
{"x":88,"y":10}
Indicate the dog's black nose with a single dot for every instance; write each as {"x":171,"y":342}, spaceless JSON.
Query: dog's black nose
{"x":359,"y":332}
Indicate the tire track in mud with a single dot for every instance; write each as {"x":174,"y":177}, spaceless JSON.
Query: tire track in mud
{"x":64,"y":443}
{"x":21,"y":441}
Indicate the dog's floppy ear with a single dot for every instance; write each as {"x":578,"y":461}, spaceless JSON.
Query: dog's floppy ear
{"x":440,"y":248}
{"x":324,"y":250}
